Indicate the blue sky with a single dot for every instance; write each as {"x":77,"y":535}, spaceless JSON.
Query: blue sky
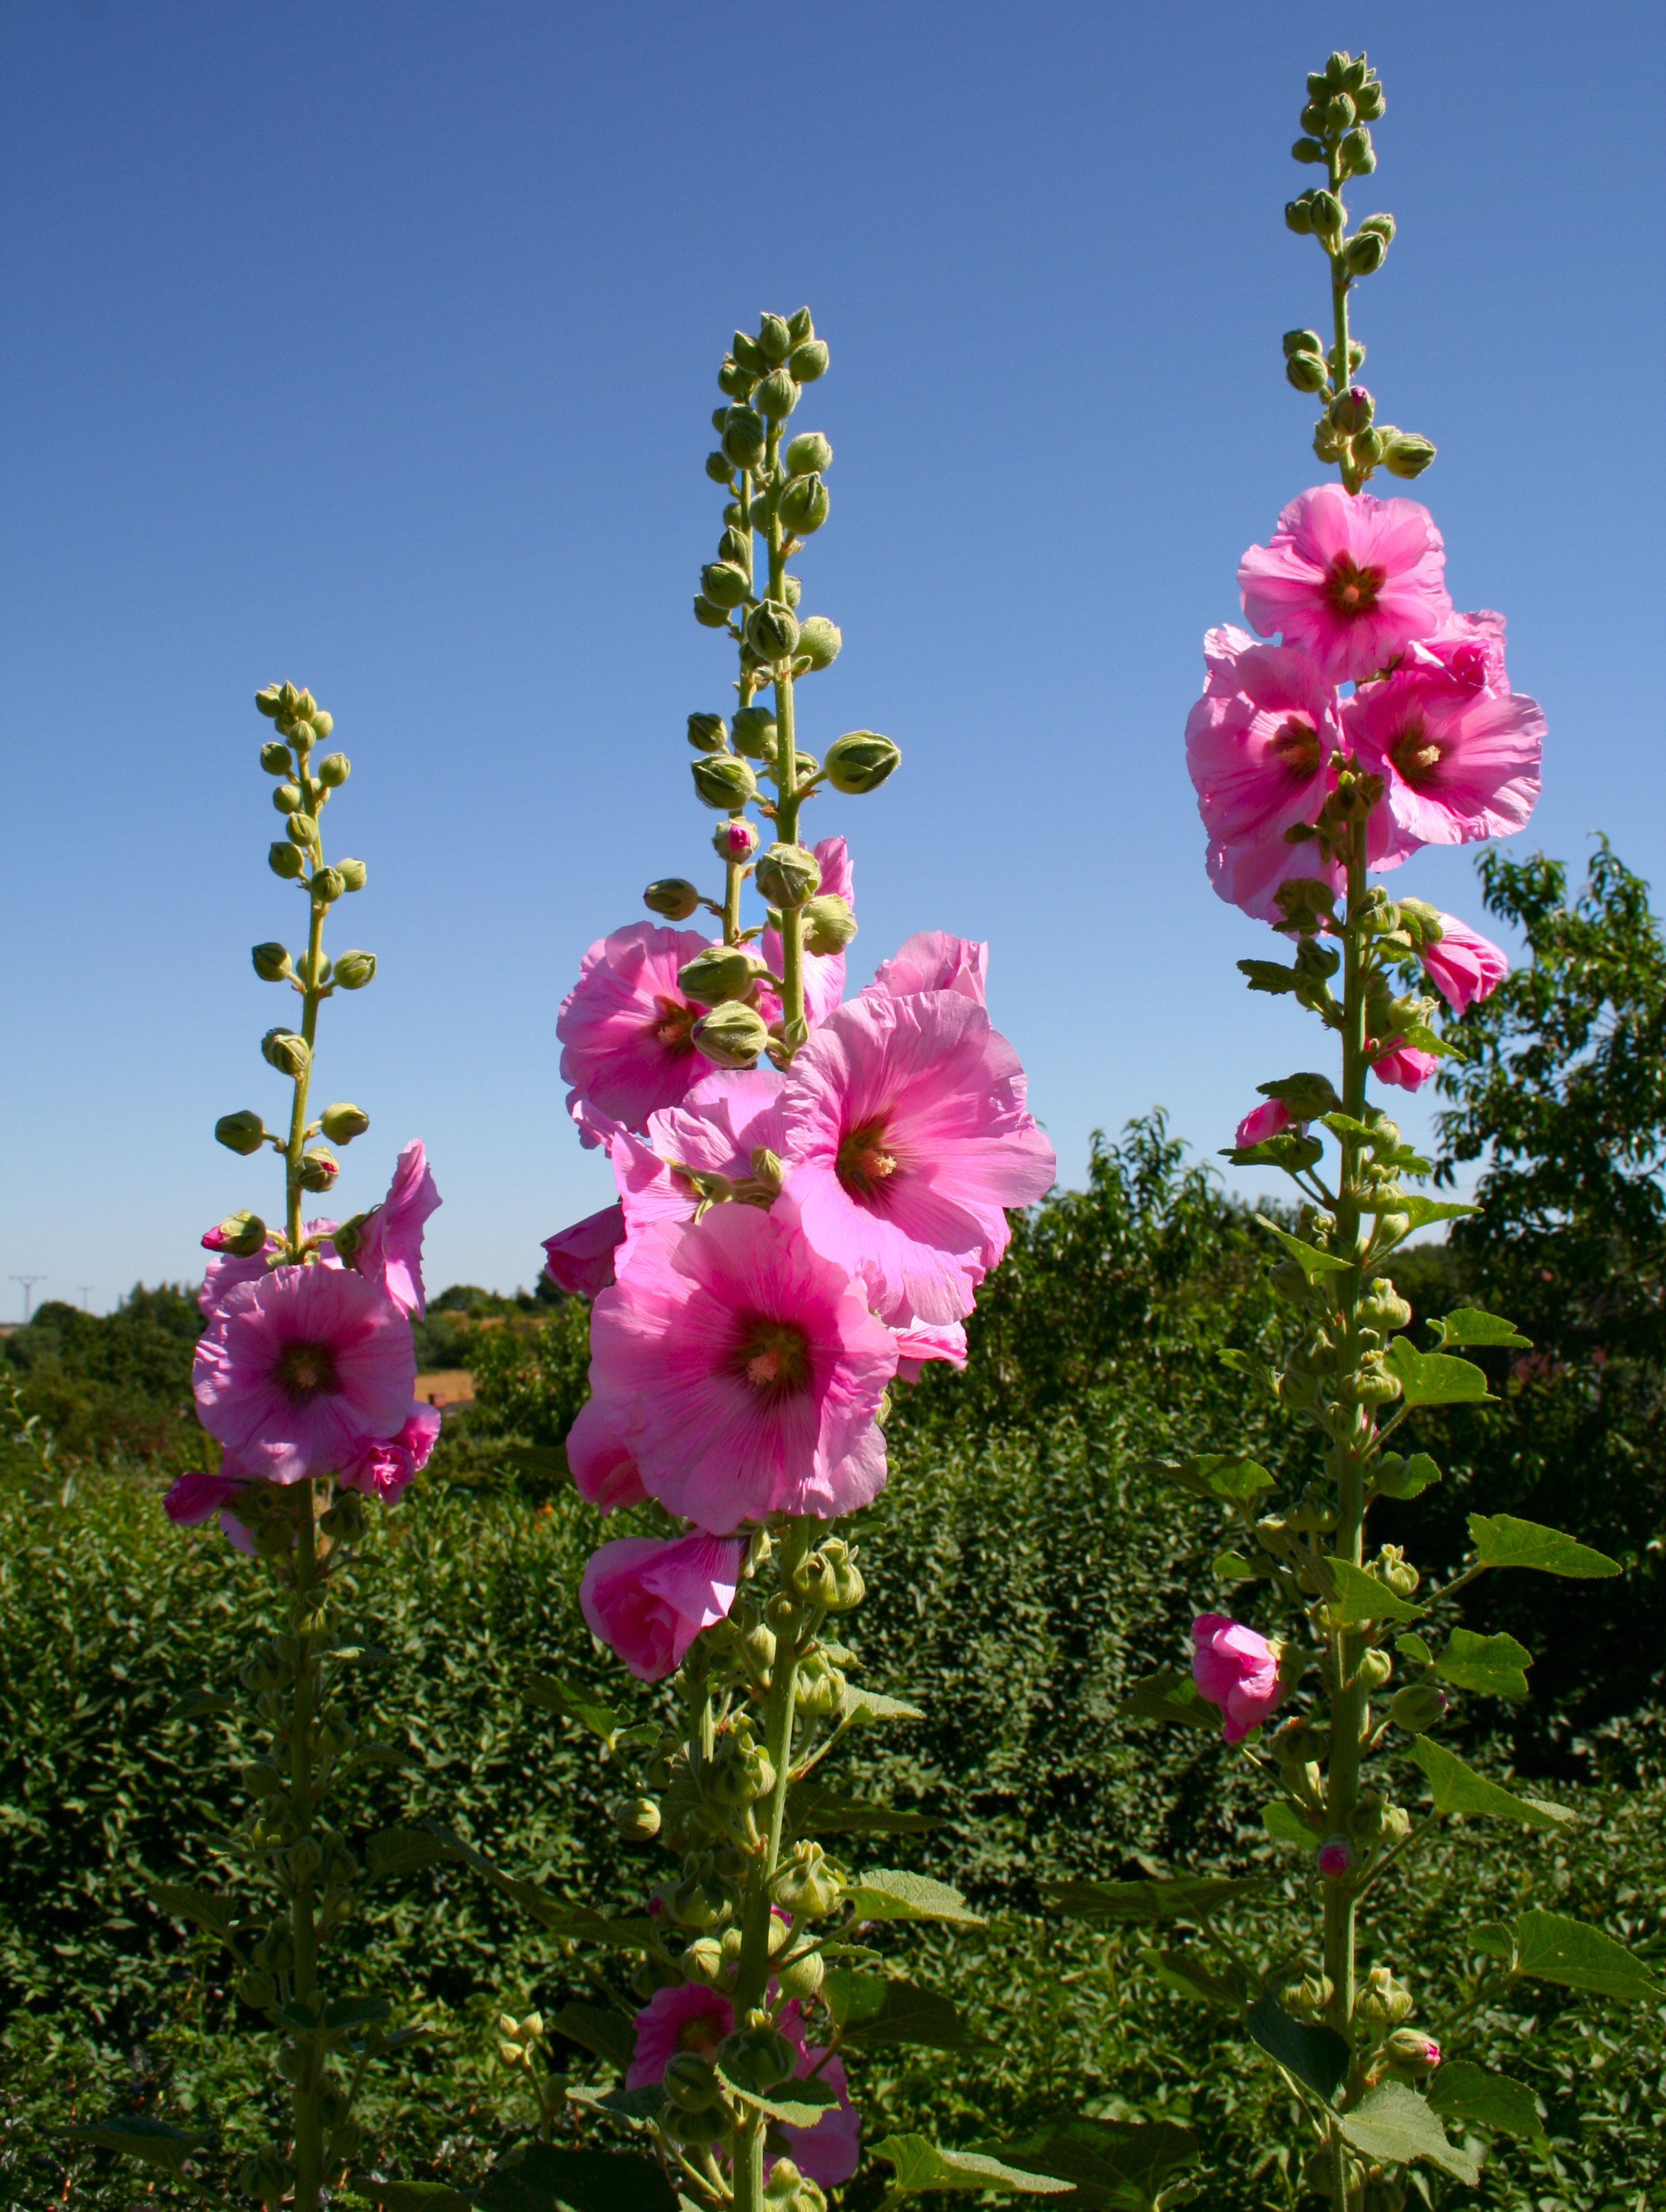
{"x":374,"y":347}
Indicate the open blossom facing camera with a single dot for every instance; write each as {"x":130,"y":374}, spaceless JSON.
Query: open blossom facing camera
{"x":627,"y":1029}
{"x":1259,"y":741}
{"x":1458,"y":763}
{"x":1351,"y":579}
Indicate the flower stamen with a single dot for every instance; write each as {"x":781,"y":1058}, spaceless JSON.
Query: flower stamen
{"x":863,"y":1165}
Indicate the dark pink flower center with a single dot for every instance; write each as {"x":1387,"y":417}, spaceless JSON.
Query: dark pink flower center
{"x":306,"y":1372}
{"x":1295,"y":746}
{"x":774,"y":1357}
{"x":866,"y":1163}
{"x":702,"y":2032}
{"x":1415,"y":753}
{"x":672,"y":1025}
{"x":1351,"y":590}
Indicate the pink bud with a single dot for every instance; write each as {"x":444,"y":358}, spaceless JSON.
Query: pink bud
{"x":1236,"y":1669}
{"x":1335,"y":1857}
{"x":1267,"y":1121}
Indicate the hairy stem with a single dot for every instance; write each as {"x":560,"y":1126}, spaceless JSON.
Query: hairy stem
{"x":308,"y":2128}
{"x":310,"y":994}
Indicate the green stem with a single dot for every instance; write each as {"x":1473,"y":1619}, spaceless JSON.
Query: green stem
{"x":311,"y":995}
{"x":308,"y":2128}
{"x":1340,"y":281}
{"x":793,"y":1026}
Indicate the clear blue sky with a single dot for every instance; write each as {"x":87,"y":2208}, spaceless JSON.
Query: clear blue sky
{"x":373,"y":347}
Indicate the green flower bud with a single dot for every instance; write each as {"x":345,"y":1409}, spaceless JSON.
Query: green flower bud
{"x":749,"y":354}
{"x":803,"y":1977}
{"x":775,"y":338}
{"x":757,"y":2054}
{"x":1339,"y":115}
{"x":1326,"y":443}
{"x":1325,"y":214}
{"x":1299,"y":214}
{"x":306,"y":1859}
{"x":1357,"y":155}
{"x":333,"y":770}
{"x":270,"y":701}
{"x":241,"y":1132}
{"x":734,"y":842}
{"x":691,"y":2081}
{"x":772,"y":631}
{"x":1352,"y":410}
{"x":702,"y":1961}
{"x":792,"y":590}
{"x":808,"y":454}
{"x":804,"y":503}
{"x":635,"y":1819}
{"x":272,"y":962}
{"x":1307,"y":372}
{"x":674,"y":896}
{"x":787,"y":875}
{"x":243,"y":1233}
{"x":720,"y":974}
{"x":807,"y":1885}
{"x":285,"y":860}
{"x":731,"y":1035}
{"x":799,"y":327}
{"x":1297,"y":342}
{"x":829,"y":924}
{"x":277,"y":759}
{"x":1307,"y":149}
{"x":697,"y":1903}
{"x":710,"y":617}
{"x":707,"y":734}
{"x":1375,"y":1666}
{"x":1307,"y":1996}
{"x":1383,"y":2000}
{"x":1404,"y":453}
{"x":777,"y":396}
{"x":1397,"y":1570}
{"x":1419,"y":1707}
{"x":735,"y":380}
{"x":724,"y":781}
{"x":818,"y":1687}
{"x":809,"y":360}
{"x":289,"y":1054}
{"x":1408,"y":2051}
{"x":352,"y":874}
{"x":341,"y":1122}
{"x":860,"y":761}
{"x":287,"y":798}
{"x":1363,"y":254}
{"x":725,"y":583}
{"x":720,"y":468}
{"x":328,"y":884}
{"x":820,"y":641}
{"x":322,"y":723}
{"x":743,"y":437}
{"x":302,"y":829}
{"x":317,"y":1171}
{"x":257,"y":1988}
{"x":345,"y":1521}
{"x":755,"y":733}
{"x":353,"y":970}
{"x":1337,"y":65}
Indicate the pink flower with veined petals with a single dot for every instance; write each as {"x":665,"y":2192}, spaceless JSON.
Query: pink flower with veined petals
{"x":1408,"y":1067}
{"x":829,"y":2151}
{"x":1248,"y":876}
{"x":297,"y":1373}
{"x":1352,"y":581}
{"x":649,"y":1600}
{"x":387,"y":1464}
{"x":579,"y":1260}
{"x":625,"y":1029}
{"x":1267,"y":1121}
{"x":1259,"y":742}
{"x":1459,"y":763}
{"x":824,"y":972}
{"x":727,"y":1117}
{"x":744,"y":1370}
{"x":390,"y":1247}
{"x":931,"y":960}
{"x":600,"y":1460}
{"x":920,"y":1341}
{"x":1467,"y":649}
{"x":904,"y":1136}
{"x":1236,"y":1670}
{"x":1464,"y":966}
{"x":688,"y":2016}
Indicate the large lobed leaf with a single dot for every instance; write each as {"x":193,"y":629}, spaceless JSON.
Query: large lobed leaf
{"x":922,"y":2166}
{"x":1459,"y":1788}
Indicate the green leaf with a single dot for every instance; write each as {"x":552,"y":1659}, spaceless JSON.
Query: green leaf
{"x":1233,"y":1567}
{"x":862,"y":1706}
{"x":1496,"y":1939}
{"x":1116,"y":2165}
{"x":1311,"y":1262}
{"x":402,"y":1851}
{"x":556,"y":1696}
{"x":1413,"y":1648}
{"x":197,"y":1703}
{"x":1491,"y":1665}
{"x":1360,"y":1596}
{"x":1394,"y":2124}
{"x":1317,"y":2056}
{"x":1469,"y":1325}
{"x":887,"y":1894}
{"x":1224,"y":1475}
{"x":832,"y":1814}
{"x":1285,"y":1825}
{"x":1418,"y":1210}
{"x":1433,"y":1378}
{"x":153,"y":2143}
{"x":348,"y":2012}
{"x":1186,"y":1897}
{"x":1344,"y":1125}
{"x":1504,"y":1542}
{"x":636,"y":1934}
{"x":378,"y":1754}
{"x":1466,"y":2092}
{"x":1188,"y":1975}
{"x":1268,"y":976}
{"x":922,"y":2166}
{"x":1422,"y":1038}
{"x":636,"y":2107}
{"x":1418,"y":1474}
{"x":416,"y":2196}
{"x":872,"y":2009}
{"x":794,"y":2103}
{"x":1169,"y":1695}
{"x":196,"y":1905}
{"x":609,"y":2034}
{"x":1459,"y":1788}
{"x":1550,"y":1947}
{"x":538,"y":2178}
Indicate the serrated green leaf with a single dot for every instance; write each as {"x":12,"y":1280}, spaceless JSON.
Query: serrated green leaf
{"x":1459,"y":1788}
{"x":1360,"y":1596}
{"x":538,"y":2178}
{"x":888,"y":1893}
{"x":1344,"y":1125}
{"x":922,"y":2166}
{"x":1116,"y":2165}
{"x":871,"y":2010}
{"x":1311,"y":1262}
{"x":1422,"y":1038}
{"x":794,"y":2103}
{"x":215,"y":1914}
{"x":862,"y":1707}
{"x":1285,"y":1825}
{"x":1496,"y":1939}
{"x":1469,"y":1325}
{"x":636,"y":2107}
{"x":1183,"y":1897}
{"x":1434,"y":1378}
{"x":1413,"y":1648}
{"x":1418,"y":1473}
{"x":197,"y":1704}
{"x":827,"y":1813}
{"x":1490,"y":1665}
{"x":153,"y":2143}
{"x":402,"y":1851}
{"x":1169,"y":1695}
{"x":1550,"y":1947}
{"x":609,"y":2034}
{"x":1418,"y":1210}
{"x":1188,"y":1974}
{"x":1504,"y":1542}
{"x":1268,"y":976}
{"x":1394,"y":2124}
{"x":1462,"y":2092}
{"x":1237,"y":1480}
{"x":1316,"y":2056}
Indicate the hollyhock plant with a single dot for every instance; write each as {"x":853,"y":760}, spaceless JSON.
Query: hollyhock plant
{"x":383,"y":1467}
{"x":1463,"y":965}
{"x":1238,"y":1670}
{"x":1458,"y":763}
{"x":830,"y":2152}
{"x":580,"y":1259}
{"x":690,"y":2017}
{"x":1466,"y":648}
{"x":649,"y":1600}
{"x":626,"y":1029}
{"x":1252,"y":876}
{"x":1259,"y":743}
{"x":1351,"y":580}
{"x":691,"y":1150}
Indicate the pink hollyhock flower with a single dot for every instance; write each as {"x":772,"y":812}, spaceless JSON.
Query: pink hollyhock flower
{"x":824,"y":972}
{"x":626,"y":1029}
{"x":649,"y":1600}
{"x":1335,"y":1857}
{"x":1248,"y":876}
{"x":386,"y":1465}
{"x":1469,"y":648}
{"x":192,"y":1496}
{"x":728,"y":1115}
{"x":297,"y":1372}
{"x":1459,"y":763}
{"x":920,"y":1341}
{"x":1236,"y":1670}
{"x":1267,"y":1121}
{"x":1352,"y":581}
{"x":390,"y":1246}
{"x":579,"y":1260}
{"x":931,"y":960}
{"x":830,"y":2151}
{"x":1259,"y":742}
{"x":1464,"y":966}
{"x":685,"y":2017}
{"x":600,"y":1461}
{"x":744,"y":1370}
{"x":904,"y":1136}
{"x":1405,"y":1066}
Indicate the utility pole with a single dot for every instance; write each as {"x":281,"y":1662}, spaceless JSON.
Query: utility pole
{"x":86,"y":1290}
{"x":29,"y":1283}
